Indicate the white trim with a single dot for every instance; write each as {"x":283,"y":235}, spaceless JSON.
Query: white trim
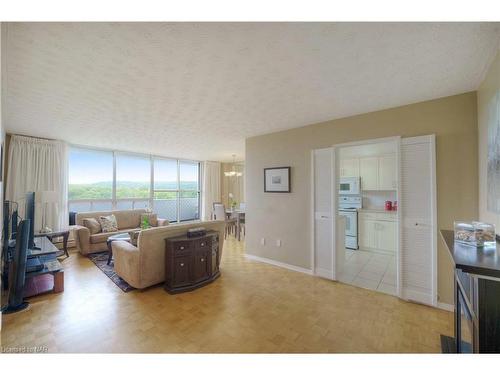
{"x":434,"y":220}
{"x":313,"y":228}
{"x":324,"y":273}
{"x":417,"y":297}
{"x":368,"y":141}
{"x":445,"y":306}
{"x":279,"y":264}
{"x":399,"y":220}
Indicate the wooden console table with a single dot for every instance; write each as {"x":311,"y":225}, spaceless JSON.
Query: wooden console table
{"x":191,"y":263}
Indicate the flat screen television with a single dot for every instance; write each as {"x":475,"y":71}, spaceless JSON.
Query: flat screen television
{"x":30,"y":215}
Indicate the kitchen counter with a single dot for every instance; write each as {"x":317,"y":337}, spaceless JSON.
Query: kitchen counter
{"x":479,"y":261}
{"x":376,"y":211}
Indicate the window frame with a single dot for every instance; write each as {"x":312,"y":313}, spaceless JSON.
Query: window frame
{"x":114,"y":200}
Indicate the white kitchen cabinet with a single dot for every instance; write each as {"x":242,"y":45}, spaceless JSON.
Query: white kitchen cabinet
{"x":368,"y":170}
{"x":367,"y":234}
{"x":387,"y":172}
{"x":378,"y":231}
{"x":386,"y":235}
{"x":349,"y":167}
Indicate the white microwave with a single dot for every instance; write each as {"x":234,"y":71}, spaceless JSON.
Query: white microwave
{"x":350,"y":186}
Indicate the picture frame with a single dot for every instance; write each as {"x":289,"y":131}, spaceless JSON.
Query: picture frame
{"x":277,"y":180}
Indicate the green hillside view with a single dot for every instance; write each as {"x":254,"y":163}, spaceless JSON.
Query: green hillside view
{"x":129,"y":189}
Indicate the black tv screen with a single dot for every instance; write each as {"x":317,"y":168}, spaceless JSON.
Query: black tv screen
{"x":30,"y":215}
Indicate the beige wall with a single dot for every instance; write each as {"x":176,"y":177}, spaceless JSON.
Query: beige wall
{"x":485,"y":93}
{"x":287,"y":216}
{"x":235,"y":185}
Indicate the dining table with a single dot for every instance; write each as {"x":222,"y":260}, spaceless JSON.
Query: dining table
{"x":239,"y":215}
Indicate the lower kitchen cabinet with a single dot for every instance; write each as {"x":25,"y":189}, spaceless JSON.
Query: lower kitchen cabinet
{"x":378,"y":231}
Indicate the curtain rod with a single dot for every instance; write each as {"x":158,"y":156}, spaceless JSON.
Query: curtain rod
{"x":32,"y":136}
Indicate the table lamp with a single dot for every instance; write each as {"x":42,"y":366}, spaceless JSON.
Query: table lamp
{"x":45,"y":198}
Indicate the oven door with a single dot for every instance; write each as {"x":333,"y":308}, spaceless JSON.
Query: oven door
{"x":351,"y":222}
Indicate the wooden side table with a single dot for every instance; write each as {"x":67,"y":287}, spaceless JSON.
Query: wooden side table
{"x":62,"y":233}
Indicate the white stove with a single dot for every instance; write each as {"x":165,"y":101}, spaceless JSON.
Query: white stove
{"x":348,"y":207}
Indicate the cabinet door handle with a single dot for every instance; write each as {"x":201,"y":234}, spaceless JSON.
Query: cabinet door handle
{"x":182,"y":264}
{"x":203,"y":244}
{"x":202,"y":259}
{"x":182,"y":247}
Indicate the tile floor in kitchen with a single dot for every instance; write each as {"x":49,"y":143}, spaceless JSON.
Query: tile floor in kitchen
{"x":370,"y":270}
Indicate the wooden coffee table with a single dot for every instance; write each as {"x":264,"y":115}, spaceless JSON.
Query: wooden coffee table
{"x":116,"y":237}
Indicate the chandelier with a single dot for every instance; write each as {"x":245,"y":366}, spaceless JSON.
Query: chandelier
{"x":233,"y":172}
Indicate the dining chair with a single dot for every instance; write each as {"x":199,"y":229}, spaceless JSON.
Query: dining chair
{"x":219,"y":214}
{"x":240,"y":225}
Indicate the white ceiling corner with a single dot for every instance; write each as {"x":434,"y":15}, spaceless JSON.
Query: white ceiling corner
{"x":197,"y":90}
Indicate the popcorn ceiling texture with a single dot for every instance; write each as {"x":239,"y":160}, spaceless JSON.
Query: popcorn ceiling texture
{"x":197,"y":90}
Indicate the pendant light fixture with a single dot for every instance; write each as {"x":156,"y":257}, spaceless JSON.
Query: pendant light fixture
{"x":232,"y":172}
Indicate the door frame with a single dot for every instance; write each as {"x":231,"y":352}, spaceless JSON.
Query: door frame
{"x":397,"y":142}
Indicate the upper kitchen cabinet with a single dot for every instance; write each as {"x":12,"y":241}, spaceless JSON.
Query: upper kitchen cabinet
{"x":349,"y":167}
{"x":387,"y":172}
{"x":368,"y":168}
{"x":378,"y":172}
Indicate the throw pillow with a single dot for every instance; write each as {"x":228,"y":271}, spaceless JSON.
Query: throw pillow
{"x":108,"y":223}
{"x":92,"y":224}
{"x":152,"y":219}
{"x":134,"y":236}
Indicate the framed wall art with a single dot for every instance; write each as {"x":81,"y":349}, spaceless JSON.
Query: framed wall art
{"x":277,"y":180}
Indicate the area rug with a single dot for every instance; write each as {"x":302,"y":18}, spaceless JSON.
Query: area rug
{"x":101,"y":260}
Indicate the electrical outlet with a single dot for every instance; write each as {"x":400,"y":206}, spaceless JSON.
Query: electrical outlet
{"x":262,"y":241}
{"x":278,"y":243}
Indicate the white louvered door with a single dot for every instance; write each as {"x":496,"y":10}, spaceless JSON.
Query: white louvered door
{"x":324,"y":208}
{"x":418,"y":261}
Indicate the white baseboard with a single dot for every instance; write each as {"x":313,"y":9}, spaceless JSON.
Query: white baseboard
{"x":279,"y":264}
{"x":445,"y":306}
{"x":321,"y":272}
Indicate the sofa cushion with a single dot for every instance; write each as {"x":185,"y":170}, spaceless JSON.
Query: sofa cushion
{"x":108,"y":223}
{"x":92,"y":224}
{"x":152,"y":219}
{"x":128,"y":219}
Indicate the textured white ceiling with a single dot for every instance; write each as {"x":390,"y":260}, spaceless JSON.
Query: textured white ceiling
{"x":197,"y":90}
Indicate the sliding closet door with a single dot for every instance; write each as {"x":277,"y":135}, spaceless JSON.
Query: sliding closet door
{"x":418,"y":264}
{"x":324,"y":209}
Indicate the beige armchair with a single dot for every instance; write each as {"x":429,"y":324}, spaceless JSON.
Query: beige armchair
{"x":144,"y":265}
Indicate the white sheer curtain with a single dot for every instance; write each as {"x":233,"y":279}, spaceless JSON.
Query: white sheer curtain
{"x":39,"y":165}
{"x":211,"y":189}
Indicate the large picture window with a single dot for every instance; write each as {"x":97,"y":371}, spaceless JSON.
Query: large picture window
{"x":106,"y":180}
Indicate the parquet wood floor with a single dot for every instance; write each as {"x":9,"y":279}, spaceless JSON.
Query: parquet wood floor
{"x":252,"y":308}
